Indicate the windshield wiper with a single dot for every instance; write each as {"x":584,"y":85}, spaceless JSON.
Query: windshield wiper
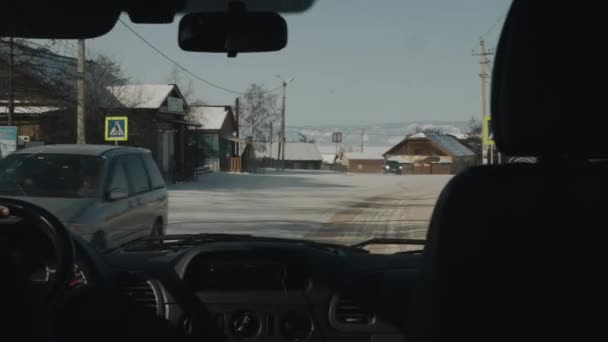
{"x":182,"y":241}
{"x":389,"y":241}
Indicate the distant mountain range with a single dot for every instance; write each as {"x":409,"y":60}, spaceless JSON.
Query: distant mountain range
{"x":378,"y":135}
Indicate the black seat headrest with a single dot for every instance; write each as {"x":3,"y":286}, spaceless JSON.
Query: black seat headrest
{"x":548,"y":94}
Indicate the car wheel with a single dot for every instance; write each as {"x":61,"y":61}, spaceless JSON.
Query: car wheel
{"x":157,"y":229}
{"x":100,"y":240}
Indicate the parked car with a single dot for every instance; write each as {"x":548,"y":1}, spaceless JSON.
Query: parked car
{"x":391,"y":166}
{"x":108,"y":195}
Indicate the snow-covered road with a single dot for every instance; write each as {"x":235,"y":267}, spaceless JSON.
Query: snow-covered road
{"x":318,"y":205}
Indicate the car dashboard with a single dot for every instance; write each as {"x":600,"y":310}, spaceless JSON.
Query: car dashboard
{"x":272,"y":291}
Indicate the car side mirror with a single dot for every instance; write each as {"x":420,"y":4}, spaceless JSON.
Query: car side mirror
{"x":116,"y":194}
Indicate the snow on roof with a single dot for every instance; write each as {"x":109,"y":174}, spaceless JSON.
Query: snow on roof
{"x":143,"y":96}
{"x":210,"y":117}
{"x":418,"y":135}
{"x":293,"y":151}
{"x":371,"y":155}
{"x":328,"y":158}
{"x":459,"y":136}
{"x":30,"y":109}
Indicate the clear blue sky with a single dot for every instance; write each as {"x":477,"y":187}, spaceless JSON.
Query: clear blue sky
{"x":354,"y":61}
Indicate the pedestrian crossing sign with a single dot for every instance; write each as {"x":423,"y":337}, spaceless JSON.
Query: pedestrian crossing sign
{"x":117,"y":128}
{"x":487,"y":132}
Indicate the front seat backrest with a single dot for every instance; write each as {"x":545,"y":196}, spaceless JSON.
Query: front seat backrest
{"x":518,"y":251}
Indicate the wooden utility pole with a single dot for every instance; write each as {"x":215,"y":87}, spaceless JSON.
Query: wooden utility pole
{"x":80,"y":86}
{"x":362,"y":135}
{"x":11,"y":90}
{"x":238,"y":124}
{"x":484,"y":75}
{"x":271,"y":133}
{"x":282,"y":143}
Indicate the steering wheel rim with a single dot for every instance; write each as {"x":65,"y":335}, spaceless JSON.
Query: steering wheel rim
{"x":58,"y":234}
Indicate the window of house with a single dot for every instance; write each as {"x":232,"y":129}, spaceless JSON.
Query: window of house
{"x":210,"y":145}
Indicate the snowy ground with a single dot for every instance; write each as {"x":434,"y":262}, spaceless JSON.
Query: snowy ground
{"x":333,"y":207}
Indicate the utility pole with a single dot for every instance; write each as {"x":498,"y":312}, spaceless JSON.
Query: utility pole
{"x":11,"y":90}
{"x":484,"y":75}
{"x":80,"y":85}
{"x":362,"y":134}
{"x":283,"y":127}
{"x":271,"y":133}
{"x":238,"y":124}
{"x":282,"y":139}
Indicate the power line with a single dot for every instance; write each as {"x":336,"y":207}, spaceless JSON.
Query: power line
{"x":175,"y":63}
{"x":495,"y":24}
{"x":184,"y":69}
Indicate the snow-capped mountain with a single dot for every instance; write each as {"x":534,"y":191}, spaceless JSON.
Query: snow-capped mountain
{"x":386,"y":134}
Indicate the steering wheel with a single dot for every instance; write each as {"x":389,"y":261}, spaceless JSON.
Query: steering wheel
{"x":24,"y":215}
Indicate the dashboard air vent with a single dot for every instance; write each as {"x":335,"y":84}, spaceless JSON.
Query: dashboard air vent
{"x":140,"y":290}
{"x":356,"y":305}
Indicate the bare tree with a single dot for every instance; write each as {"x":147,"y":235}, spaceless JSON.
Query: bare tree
{"x":258,"y":109}
{"x":474,"y":126}
{"x":186,"y":86}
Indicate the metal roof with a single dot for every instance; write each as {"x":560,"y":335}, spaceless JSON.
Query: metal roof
{"x":449,"y":144}
{"x":87,"y":150}
{"x":298,"y":151}
{"x":23,"y":109}
{"x":210,"y":117}
{"x":416,"y":159}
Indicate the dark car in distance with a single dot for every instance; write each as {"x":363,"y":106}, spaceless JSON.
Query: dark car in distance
{"x":392,"y":166}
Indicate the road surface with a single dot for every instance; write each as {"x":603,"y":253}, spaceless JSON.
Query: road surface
{"x":318,"y":205}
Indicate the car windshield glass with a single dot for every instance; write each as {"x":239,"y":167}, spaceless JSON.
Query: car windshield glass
{"x":347,"y":134}
{"x":50,"y":175}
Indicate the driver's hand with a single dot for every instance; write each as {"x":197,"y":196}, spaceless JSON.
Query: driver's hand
{"x":4,"y":212}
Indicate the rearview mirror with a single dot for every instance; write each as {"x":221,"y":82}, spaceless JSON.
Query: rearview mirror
{"x":232,"y":33}
{"x":116,"y":194}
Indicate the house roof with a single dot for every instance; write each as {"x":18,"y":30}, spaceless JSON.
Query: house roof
{"x":210,"y":117}
{"x":371,"y":155}
{"x":142,"y":96}
{"x":24,"y":109}
{"x":449,"y":144}
{"x":296,"y":151}
{"x":446,"y":143}
{"x":416,"y":159}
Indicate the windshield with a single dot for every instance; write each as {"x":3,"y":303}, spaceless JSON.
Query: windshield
{"x":348,"y":133}
{"x":50,"y":175}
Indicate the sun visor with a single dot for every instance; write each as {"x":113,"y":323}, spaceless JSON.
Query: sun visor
{"x":58,"y":19}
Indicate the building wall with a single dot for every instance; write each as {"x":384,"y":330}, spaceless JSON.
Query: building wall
{"x":365,"y":166}
{"x":441,"y":169}
{"x":303,"y":164}
{"x":461,"y":163}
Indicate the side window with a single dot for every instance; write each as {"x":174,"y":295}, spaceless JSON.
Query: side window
{"x":118,"y":180}
{"x":137,"y":173}
{"x":156,"y":179}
